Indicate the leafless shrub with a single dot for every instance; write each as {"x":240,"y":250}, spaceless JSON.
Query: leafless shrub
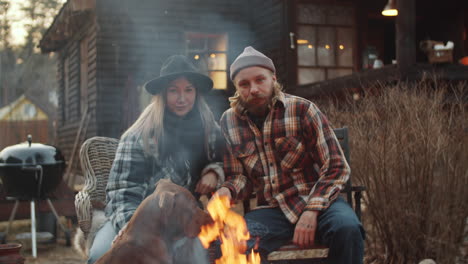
{"x":409,"y":148}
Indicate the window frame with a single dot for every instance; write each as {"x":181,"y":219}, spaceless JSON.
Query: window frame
{"x":335,"y":46}
{"x":206,"y":51}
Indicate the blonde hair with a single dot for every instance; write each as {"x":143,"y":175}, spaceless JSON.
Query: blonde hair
{"x":149,"y":127}
{"x":235,"y":99}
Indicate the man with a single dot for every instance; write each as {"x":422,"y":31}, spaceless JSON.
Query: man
{"x":283,"y":148}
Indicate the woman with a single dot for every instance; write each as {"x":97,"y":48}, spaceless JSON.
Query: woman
{"x":175,"y":137}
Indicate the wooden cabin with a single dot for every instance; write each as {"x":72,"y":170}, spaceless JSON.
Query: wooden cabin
{"x":108,"y":49}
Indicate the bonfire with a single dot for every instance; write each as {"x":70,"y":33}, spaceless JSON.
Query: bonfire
{"x":230,"y":228}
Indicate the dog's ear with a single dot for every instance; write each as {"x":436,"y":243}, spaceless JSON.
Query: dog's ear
{"x":162,"y":184}
{"x":167,"y":203}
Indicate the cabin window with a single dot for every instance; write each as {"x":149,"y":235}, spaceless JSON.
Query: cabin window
{"x":83,"y":75}
{"x":208,"y":53}
{"x":325,"y":42}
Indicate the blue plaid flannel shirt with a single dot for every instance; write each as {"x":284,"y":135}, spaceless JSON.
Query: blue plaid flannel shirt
{"x":134,"y":174}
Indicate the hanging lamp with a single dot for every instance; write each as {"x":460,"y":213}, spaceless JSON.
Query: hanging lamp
{"x":390,"y":8}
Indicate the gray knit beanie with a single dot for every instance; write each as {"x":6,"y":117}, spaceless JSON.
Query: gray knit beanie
{"x":251,"y":57}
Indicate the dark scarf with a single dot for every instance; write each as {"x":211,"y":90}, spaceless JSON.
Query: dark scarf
{"x":183,"y":144}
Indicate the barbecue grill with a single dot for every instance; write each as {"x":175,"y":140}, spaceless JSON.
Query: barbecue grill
{"x":31,"y":171}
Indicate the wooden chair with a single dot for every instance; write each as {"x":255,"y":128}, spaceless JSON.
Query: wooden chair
{"x":96,"y":156}
{"x":317,"y":254}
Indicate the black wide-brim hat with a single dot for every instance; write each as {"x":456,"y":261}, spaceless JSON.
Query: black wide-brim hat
{"x":178,"y":66}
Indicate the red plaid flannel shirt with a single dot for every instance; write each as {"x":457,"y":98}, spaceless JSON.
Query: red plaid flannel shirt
{"x":295,"y":163}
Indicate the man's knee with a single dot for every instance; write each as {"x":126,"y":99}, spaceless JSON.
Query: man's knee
{"x":350,"y":232}
{"x":346,"y":244}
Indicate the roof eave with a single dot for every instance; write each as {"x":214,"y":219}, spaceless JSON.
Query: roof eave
{"x":67,"y":21}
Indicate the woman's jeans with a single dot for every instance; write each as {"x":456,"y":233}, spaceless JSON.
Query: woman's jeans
{"x":338,"y":228}
{"x":102,"y":242}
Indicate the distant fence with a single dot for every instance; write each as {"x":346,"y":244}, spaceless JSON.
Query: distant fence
{"x":14,"y":132}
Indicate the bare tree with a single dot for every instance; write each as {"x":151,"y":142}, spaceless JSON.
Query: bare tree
{"x":24,"y":69}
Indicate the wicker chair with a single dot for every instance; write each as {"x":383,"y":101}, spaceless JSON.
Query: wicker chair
{"x":96,"y":155}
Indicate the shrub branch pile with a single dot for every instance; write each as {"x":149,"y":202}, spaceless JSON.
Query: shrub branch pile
{"x":409,"y":148}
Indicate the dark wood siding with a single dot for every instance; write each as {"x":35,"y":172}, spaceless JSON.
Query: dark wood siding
{"x":270,"y":24}
{"x":69,"y":88}
{"x":68,"y":99}
{"x":70,"y":118}
{"x":134,"y":40}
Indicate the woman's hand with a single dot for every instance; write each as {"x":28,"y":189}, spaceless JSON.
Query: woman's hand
{"x":207,"y":183}
{"x":119,"y":235}
{"x":223,"y":191}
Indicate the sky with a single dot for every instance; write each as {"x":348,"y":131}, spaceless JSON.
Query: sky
{"x":18,"y":33}
{"x":15,"y":15}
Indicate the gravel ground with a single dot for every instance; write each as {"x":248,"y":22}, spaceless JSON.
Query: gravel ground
{"x":56,"y":253}
{"x":47,"y":252}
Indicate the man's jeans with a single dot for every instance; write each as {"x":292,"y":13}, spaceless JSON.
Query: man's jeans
{"x":338,"y":228}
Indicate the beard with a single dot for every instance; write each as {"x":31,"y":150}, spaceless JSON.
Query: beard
{"x":257,"y":105}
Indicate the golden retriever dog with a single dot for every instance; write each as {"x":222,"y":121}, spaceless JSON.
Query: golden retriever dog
{"x":166,"y":217}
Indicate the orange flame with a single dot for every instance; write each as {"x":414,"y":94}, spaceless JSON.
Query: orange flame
{"x":231,"y":228}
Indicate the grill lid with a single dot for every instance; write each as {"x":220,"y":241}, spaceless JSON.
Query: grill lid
{"x":28,"y":153}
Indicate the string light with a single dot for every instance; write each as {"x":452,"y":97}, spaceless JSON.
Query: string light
{"x":327,"y":46}
{"x":310,"y":46}
{"x":341,"y":47}
{"x":196,"y":57}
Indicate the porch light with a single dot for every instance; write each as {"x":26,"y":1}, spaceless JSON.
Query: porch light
{"x":310,"y":46}
{"x":212,"y":55}
{"x":390,"y":9}
{"x":196,"y":57}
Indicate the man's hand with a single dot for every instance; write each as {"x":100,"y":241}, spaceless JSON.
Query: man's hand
{"x":304,"y":233}
{"x":207,"y":183}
